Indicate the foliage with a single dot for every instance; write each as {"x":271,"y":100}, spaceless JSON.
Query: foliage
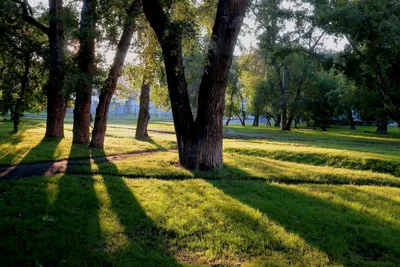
{"x":372,"y":56}
{"x":22,"y":60}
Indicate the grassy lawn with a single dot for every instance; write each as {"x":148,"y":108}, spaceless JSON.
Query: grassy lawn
{"x":304,"y":198}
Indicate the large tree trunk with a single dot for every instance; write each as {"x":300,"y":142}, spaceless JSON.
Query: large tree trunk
{"x":199,"y":142}
{"x":86,"y":64}
{"x":382,"y":125}
{"x":278,"y":120}
{"x":100,"y":123}
{"x":144,"y":114}
{"x":56,"y":103}
{"x":228,"y":21}
{"x":177,"y":85}
{"x":256,"y":120}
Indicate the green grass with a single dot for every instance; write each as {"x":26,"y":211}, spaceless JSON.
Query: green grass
{"x":302,"y":198}
{"x":102,"y":220}
{"x":29,"y":145}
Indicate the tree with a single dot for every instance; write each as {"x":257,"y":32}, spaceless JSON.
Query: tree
{"x":278,"y":45}
{"x":110,"y":85}
{"x":86,"y":66}
{"x":56,"y":101}
{"x":251,"y":71}
{"x":371,"y":28}
{"x":199,"y":140}
{"x":21,"y":65}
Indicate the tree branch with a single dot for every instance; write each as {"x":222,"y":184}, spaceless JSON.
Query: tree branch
{"x":27,"y":16}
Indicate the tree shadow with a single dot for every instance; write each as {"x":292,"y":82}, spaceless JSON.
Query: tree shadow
{"x":346,"y":235}
{"x":63,"y":224}
{"x":322,"y":159}
{"x":47,"y":147}
{"x":146,"y":245}
{"x":149,"y":140}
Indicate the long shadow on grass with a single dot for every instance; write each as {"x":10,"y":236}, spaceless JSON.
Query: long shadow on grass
{"x":347,"y":236}
{"x":319,"y":159}
{"x":72,"y":234}
{"x":22,"y":207}
{"x":46,"y":149}
{"x":57,"y":224}
{"x":146,"y":246}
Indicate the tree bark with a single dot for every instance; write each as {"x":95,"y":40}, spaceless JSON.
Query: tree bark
{"x":100,"y":123}
{"x":278,"y":120}
{"x":228,"y":21}
{"x":256,"y":120}
{"x":227,"y":121}
{"x":144,"y":114}
{"x":200,"y":141}
{"x":240,"y":119}
{"x":56,"y":103}
{"x":351,"y":120}
{"x":86,"y":64}
{"x":284,"y":125}
{"x":382,"y":125}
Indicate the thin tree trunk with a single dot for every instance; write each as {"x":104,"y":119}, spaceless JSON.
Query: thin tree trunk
{"x":56,"y":103}
{"x":240,"y":119}
{"x":100,"y":123}
{"x":86,"y":64}
{"x":284,"y":126}
{"x":144,"y":114}
{"x":230,"y":108}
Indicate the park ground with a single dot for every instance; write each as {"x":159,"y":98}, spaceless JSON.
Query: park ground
{"x":300,"y":198}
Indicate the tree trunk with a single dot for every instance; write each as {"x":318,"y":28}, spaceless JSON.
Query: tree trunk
{"x":351,"y":120}
{"x":278,"y":121}
{"x":100,"y":122}
{"x":289,"y":123}
{"x":256,"y":120}
{"x":240,"y":119}
{"x":200,"y":141}
{"x":144,"y":114}
{"x":284,"y":126}
{"x":56,"y":103}
{"x":244,"y":117}
{"x":382,"y":125}
{"x":86,"y":64}
{"x":227,"y":121}
{"x":228,"y":21}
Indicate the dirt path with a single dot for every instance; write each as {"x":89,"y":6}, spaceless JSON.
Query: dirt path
{"x":54,"y":167}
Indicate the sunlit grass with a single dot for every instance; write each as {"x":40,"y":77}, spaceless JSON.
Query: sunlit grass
{"x":30,"y":146}
{"x":103,"y":220}
{"x":304,"y":198}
